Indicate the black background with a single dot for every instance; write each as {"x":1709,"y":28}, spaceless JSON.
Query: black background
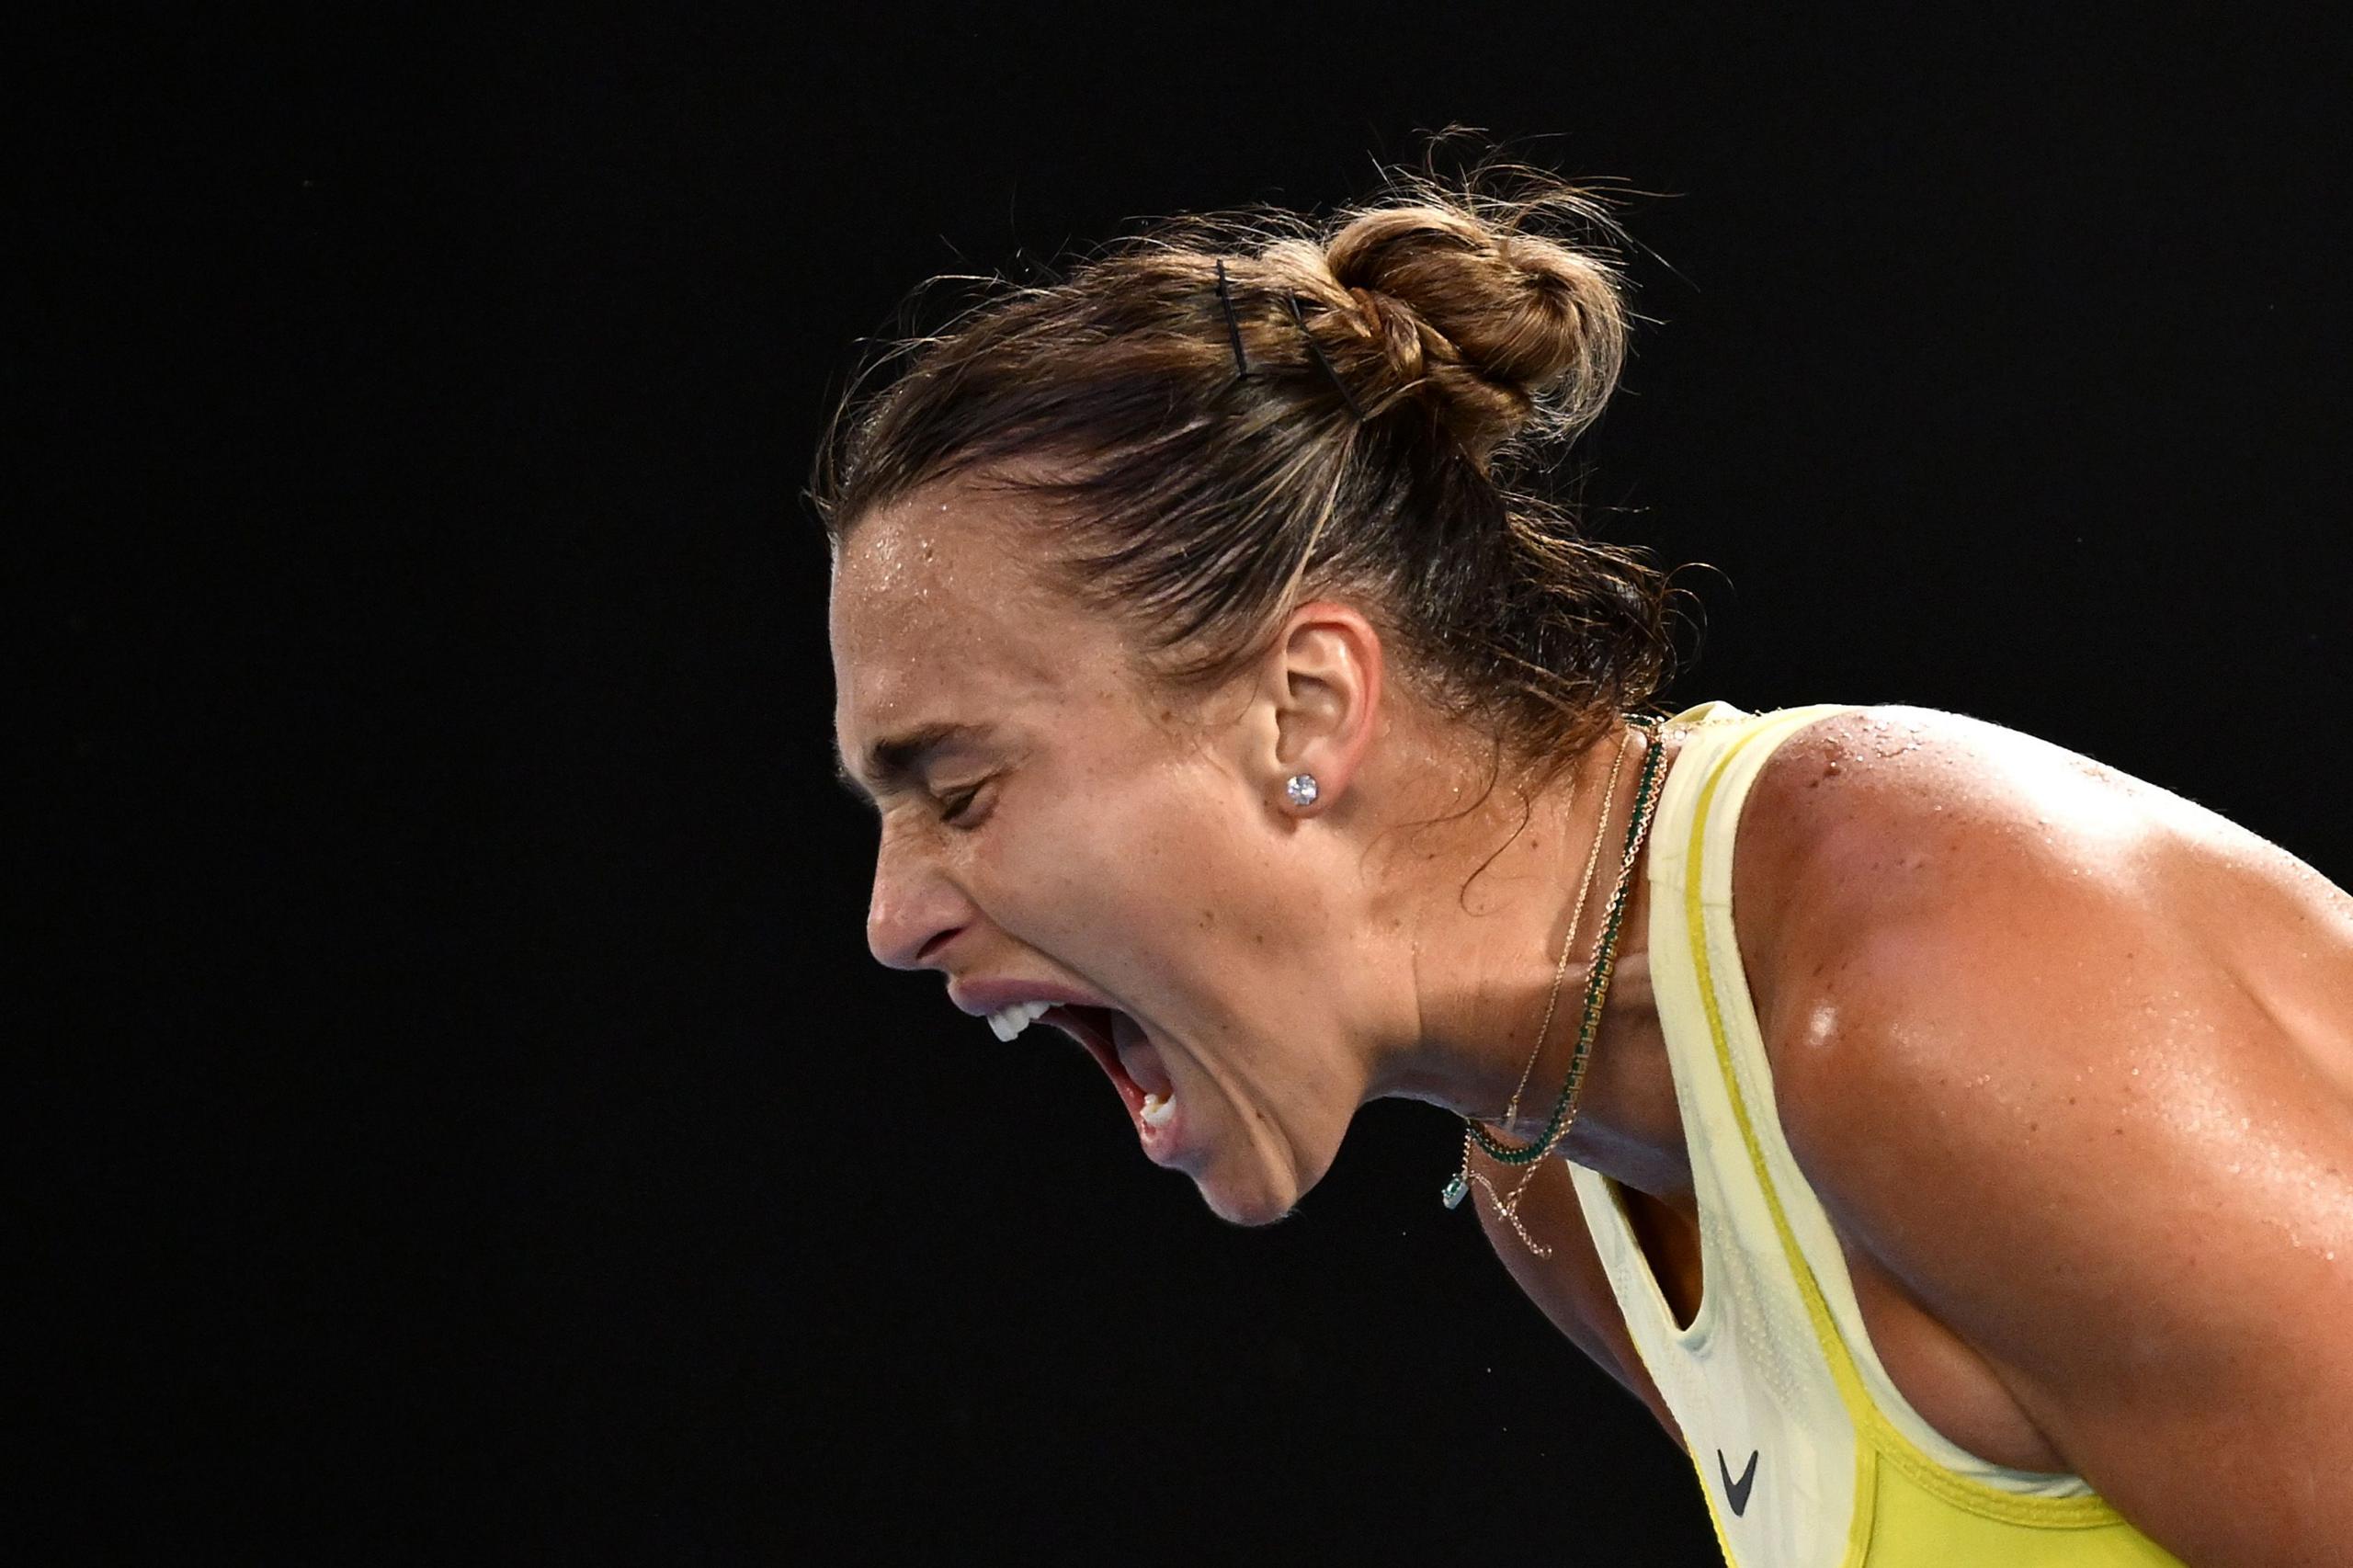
{"x":463,"y":1120}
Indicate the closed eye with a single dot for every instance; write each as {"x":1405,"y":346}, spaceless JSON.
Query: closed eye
{"x":952,"y":808}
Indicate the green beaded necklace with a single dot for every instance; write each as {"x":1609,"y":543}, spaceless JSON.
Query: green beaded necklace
{"x":1597,"y":991}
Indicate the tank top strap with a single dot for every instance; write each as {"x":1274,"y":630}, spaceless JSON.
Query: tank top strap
{"x":1691,"y":877}
{"x":1745,"y":1377}
{"x":1807,"y":1454}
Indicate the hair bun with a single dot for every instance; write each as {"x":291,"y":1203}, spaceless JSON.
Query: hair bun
{"x":1501,"y":330}
{"x":1226,"y":413}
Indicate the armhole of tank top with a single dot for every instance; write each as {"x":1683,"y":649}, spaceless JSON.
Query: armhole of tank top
{"x":1809,"y":1243}
{"x":1641,"y":1300}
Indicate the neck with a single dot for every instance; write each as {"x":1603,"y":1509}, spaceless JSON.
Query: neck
{"x":1482,"y":959}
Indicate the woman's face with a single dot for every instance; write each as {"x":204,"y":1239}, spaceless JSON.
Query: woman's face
{"x":1079,"y":839}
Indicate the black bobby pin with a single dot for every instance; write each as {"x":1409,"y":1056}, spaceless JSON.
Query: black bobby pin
{"x":1232,"y":327}
{"x":1324,"y":365}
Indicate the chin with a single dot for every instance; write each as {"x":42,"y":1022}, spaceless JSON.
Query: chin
{"x":1261,"y":1183}
{"x":1256,"y":1199}
{"x":1244,"y":1208}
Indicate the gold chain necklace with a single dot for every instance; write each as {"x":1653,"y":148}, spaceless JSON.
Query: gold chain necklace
{"x":1569,"y":937}
{"x":1597,"y":992}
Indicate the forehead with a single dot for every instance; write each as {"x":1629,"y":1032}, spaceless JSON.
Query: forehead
{"x":937,"y":614}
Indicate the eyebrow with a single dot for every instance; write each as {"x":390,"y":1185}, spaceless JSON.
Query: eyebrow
{"x":894,"y":759}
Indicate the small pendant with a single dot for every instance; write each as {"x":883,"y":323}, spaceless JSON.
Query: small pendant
{"x":1455,"y":1191}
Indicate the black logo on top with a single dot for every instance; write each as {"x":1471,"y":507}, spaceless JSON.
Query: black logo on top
{"x":1738,"y":1490}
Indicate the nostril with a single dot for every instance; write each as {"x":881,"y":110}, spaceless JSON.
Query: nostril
{"x":913,"y":914}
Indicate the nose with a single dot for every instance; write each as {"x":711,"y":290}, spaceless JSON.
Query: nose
{"x":914,"y":911}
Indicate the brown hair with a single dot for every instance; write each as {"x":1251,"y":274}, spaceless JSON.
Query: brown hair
{"x":1202,"y":468}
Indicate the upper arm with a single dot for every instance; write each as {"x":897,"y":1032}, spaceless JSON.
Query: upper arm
{"x":2027,"y":1080}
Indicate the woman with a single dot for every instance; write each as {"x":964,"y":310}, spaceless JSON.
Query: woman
{"x":1949,"y":1138}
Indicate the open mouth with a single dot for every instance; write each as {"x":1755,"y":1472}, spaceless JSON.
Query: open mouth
{"x":1121,"y":1048}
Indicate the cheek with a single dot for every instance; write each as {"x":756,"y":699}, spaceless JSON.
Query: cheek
{"x":1210,"y":876}
{"x":1158,"y":859}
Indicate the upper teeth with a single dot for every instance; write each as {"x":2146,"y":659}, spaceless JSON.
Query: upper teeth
{"x":1010,"y":1021}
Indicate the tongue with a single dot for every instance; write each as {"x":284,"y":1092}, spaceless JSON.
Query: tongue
{"x":1138,"y":1060}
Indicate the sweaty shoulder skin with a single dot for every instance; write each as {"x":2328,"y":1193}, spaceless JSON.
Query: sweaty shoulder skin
{"x":2072,"y":1058}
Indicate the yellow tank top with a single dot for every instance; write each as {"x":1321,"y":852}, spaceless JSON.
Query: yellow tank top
{"x":1808,"y":1455}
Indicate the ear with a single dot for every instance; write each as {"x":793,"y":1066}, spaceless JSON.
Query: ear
{"x":1318,"y":702}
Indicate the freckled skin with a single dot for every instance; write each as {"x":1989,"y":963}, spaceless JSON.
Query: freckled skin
{"x":2069,"y":1060}
{"x":1287,"y":967}
{"x":1090,"y":822}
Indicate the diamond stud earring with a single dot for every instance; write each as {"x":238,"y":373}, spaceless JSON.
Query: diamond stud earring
{"x":1302,"y":790}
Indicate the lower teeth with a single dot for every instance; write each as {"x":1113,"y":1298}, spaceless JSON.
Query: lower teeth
{"x":1158,"y":1112}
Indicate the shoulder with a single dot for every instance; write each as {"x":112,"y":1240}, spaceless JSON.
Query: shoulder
{"x":1912,"y":872}
{"x":1875,"y":831}
{"x":1896,"y":791}
{"x":2030,"y":1052}
{"x":1940,"y":913}
{"x":1930,"y":905}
